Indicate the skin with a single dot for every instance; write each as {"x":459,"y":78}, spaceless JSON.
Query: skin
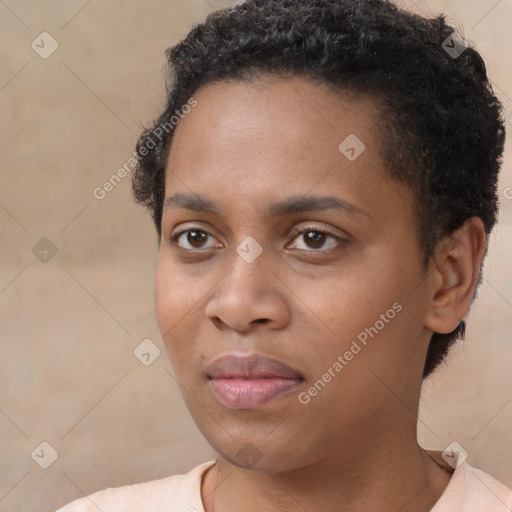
{"x":353,"y":447}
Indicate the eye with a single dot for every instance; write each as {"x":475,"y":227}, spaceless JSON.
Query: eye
{"x":194,"y":240}
{"x":315,"y":239}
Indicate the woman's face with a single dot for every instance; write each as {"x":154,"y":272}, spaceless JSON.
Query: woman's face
{"x":342,"y":305}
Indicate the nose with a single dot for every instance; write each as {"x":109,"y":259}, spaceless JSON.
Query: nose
{"x":249,"y":294}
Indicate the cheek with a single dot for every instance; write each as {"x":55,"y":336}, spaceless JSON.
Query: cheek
{"x":345,"y":303}
{"x":166,"y":296}
{"x":370,"y":304}
{"x":176,"y":295}
{"x":176,"y":306}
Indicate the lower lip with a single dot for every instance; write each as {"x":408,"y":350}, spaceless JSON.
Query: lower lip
{"x":238,"y":393}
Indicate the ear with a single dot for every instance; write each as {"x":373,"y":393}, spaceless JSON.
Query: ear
{"x":454,"y":276}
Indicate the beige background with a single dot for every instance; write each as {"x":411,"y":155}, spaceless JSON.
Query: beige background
{"x":68,"y":327}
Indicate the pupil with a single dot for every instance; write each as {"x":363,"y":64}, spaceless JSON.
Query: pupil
{"x":193,"y":241}
{"x":316,"y":237}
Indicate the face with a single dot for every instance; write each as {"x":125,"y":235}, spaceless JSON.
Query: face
{"x":288,"y":287}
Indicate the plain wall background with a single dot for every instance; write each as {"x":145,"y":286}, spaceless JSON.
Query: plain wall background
{"x":68,"y":327}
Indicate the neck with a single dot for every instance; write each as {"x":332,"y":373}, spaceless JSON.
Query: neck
{"x":393,"y":473}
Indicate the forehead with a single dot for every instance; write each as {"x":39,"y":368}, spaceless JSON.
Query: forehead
{"x":283,"y":113}
{"x":249,"y":143}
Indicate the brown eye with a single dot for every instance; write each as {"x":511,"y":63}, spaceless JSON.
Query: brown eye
{"x":314,"y":238}
{"x":194,"y":239}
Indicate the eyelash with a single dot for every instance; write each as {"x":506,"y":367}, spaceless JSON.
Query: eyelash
{"x":296,"y":233}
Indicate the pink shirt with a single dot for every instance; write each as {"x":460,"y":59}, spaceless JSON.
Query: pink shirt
{"x":469,"y":490}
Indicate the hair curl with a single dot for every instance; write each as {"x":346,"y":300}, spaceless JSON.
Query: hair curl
{"x":440,"y":119}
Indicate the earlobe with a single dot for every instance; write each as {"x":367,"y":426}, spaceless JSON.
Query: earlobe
{"x":454,"y":277}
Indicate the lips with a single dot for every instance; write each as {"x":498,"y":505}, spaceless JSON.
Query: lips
{"x":247,"y":382}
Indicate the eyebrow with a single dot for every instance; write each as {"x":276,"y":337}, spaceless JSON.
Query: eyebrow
{"x":288,"y":206}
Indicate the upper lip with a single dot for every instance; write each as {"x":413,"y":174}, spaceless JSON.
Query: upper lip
{"x":250,"y":366}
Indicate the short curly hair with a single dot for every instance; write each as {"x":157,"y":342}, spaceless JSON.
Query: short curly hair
{"x":443,"y":125}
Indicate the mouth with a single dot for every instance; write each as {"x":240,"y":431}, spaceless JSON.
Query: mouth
{"x":248,"y":382}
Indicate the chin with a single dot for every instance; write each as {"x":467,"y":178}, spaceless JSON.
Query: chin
{"x":259,"y":451}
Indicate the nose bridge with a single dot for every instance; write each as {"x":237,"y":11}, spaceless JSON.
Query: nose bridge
{"x":250,"y":251}
{"x":249,"y":263}
{"x":249,"y":291}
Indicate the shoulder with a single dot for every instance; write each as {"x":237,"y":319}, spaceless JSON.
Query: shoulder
{"x":169,"y":493}
{"x":472,"y":490}
{"x":493,"y":494}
